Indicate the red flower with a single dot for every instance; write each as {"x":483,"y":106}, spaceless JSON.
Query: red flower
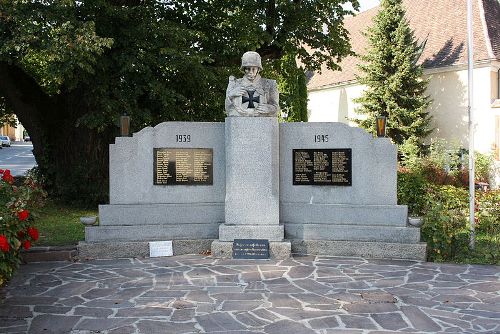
{"x":1,"y":171}
{"x":33,"y":233}
{"x":23,"y":214}
{"x":4,"y":243}
{"x":26,"y":244}
{"x":7,"y":177}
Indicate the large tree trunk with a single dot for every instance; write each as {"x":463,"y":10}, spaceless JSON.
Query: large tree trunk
{"x":74,"y":160}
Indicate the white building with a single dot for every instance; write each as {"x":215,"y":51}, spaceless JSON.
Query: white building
{"x":444,"y":25}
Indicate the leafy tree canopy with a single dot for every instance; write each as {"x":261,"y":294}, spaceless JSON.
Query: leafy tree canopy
{"x":70,"y":68}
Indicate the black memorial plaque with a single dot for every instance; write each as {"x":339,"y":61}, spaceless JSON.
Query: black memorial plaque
{"x":322,"y":167}
{"x":183,"y":166}
{"x":251,"y":249}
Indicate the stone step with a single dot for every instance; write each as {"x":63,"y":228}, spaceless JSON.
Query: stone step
{"x":380,"y":250}
{"x":120,"y":249}
{"x":151,"y":232}
{"x":352,"y":233}
{"x":301,"y":213}
{"x":160,"y":214}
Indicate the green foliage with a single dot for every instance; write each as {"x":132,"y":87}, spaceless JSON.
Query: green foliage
{"x":18,"y":205}
{"x":483,"y":164}
{"x":394,"y":84}
{"x":445,"y":223}
{"x":293,"y":90}
{"x":85,"y":63}
{"x":488,"y":224}
{"x":412,"y":191}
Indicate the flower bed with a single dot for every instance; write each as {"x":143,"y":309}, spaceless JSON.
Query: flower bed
{"x":18,"y":205}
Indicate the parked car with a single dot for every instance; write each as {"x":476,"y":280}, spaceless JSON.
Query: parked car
{"x":5,"y":141}
{"x":27,"y":138}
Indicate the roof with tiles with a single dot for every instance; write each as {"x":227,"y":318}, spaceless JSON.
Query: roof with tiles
{"x":443,"y":23}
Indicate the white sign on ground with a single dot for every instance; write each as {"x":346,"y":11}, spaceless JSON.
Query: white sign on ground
{"x":160,"y":248}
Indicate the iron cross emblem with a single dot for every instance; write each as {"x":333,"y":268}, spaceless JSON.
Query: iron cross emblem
{"x":250,"y":99}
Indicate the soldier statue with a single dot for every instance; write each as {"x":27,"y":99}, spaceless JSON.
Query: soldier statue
{"x":252,"y":95}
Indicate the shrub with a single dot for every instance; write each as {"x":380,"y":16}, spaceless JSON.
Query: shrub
{"x":18,"y":206}
{"x":412,"y":191}
{"x":445,"y":223}
{"x":488,"y":223}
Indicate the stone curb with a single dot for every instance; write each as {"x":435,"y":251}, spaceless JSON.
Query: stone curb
{"x":49,"y":253}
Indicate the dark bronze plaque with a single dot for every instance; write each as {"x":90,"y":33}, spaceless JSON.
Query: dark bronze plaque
{"x":183,"y":166}
{"x":322,"y":167}
{"x":251,"y":249}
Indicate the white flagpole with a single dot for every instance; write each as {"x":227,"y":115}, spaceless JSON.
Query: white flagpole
{"x":470,"y":68}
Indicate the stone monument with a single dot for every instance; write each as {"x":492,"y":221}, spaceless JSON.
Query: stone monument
{"x":252,"y":203}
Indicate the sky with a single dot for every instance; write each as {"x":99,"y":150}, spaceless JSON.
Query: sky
{"x":367,"y":4}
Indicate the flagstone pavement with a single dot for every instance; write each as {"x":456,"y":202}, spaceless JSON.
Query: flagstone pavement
{"x":201,"y":294}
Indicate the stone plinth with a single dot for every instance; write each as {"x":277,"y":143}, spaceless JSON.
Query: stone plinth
{"x":252,"y":185}
{"x":252,"y":171}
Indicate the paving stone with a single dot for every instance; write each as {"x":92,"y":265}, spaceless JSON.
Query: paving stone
{"x":419,"y":319}
{"x":70,"y":289}
{"x":103,"y":324}
{"x":283,"y":300}
{"x":250,"y":320}
{"x":93,"y":312}
{"x":15,"y":312}
{"x":370,"y":308}
{"x":241,"y":305}
{"x":392,"y":321}
{"x":182,"y":315}
{"x":322,"y":323}
{"x":233,"y":297}
{"x":378,"y":297}
{"x":48,"y":323}
{"x":143,"y":312}
{"x":52,"y":309}
{"x":351,"y":321}
{"x":218,"y":322}
{"x":286,"y":326}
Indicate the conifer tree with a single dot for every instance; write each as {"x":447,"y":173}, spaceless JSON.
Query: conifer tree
{"x":394,"y":84}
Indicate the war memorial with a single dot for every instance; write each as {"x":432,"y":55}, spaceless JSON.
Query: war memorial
{"x":252,"y":187}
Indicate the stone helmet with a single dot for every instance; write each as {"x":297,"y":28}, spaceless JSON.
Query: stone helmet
{"x":250,"y":58}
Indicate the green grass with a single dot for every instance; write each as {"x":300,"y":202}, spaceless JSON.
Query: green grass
{"x":59,"y":224}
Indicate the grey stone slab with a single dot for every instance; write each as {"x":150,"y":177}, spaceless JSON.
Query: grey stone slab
{"x":283,"y":300}
{"x":161,"y":214}
{"x":367,"y":233}
{"x":287,"y":326}
{"x":270,"y":232}
{"x":240,"y":305}
{"x":103,"y":324}
{"x":48,"y":323}
{"x":419,"y":320}
{"x":150,"y":326}
{"x":371,"y":157}
{"x":252,"y":171}
{"x":182,"y":315}
{"x":415,"y":251}
{"x":52,"y":309}
{"x":131,"y":164}
{"x":323,"y":323}
{"x":218,"y":322}
{"x":143,"y":312}
{"x":236,"y":296}
{"x":70,"y":289}
{"x":300,"y":314}
{"x":370,"y":308}
{"x":300,"y":271}
{"x":344,"y":214}
{"x":250,"y":320}
{"x":150,"y":232}
{"x":93,"y":312}
{"x":351,"y":321}
{"x":393,"y":321}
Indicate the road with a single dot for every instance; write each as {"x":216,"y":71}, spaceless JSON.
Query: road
{"x":18,"y":158}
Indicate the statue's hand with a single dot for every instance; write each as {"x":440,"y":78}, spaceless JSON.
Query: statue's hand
{"x":237,"y":92}
{"x":263,"y":109}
